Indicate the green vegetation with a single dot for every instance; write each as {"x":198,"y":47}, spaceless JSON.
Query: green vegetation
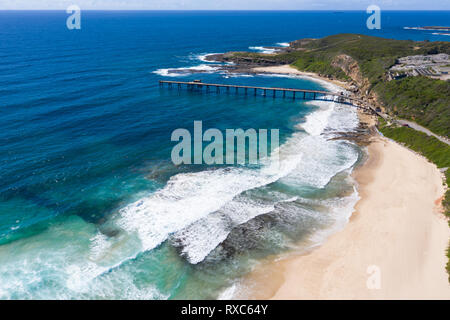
{"x":431,"y":148}
{"x":424,"y":100}
{"x":374,"y":55}
{"x":320,"y":64}
{"x":448,"y":263}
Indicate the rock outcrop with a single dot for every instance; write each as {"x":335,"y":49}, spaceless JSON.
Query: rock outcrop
{"x":362,"y":85}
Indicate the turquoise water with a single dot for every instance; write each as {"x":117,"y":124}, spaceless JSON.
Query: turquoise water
{"x":91,"y":205}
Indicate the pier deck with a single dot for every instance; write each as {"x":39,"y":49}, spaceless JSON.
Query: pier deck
{"x":293,"y":92}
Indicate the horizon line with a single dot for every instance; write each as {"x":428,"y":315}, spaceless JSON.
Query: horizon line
{"x":235,"y":10}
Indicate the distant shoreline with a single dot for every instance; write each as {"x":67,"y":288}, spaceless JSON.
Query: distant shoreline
{"x":288,"y":70}
{"x":433,"y":28}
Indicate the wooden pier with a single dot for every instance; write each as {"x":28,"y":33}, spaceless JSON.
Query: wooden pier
{"x":292,"y":93}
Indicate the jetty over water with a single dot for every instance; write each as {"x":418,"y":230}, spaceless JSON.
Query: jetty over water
{"x":292,"y":93}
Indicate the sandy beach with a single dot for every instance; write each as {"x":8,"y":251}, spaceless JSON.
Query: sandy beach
{"x":287,"y":69}
{"x":392,"y":248}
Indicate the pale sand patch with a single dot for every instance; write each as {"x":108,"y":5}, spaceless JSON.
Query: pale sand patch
{"x":396,"y":226}
{"x":287,"y":69}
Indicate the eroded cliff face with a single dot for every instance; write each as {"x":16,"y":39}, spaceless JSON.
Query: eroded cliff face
{"x":360,"y":86}
{"x":351,"y":68}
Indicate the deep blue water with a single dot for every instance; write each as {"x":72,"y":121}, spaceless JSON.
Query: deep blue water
{"x":85,"y":131}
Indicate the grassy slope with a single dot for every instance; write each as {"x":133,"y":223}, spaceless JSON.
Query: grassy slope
{"x":424,"y":100}
{"x":421,"y":99}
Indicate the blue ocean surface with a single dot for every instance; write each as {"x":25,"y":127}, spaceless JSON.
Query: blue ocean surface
{"x":91,"y":206}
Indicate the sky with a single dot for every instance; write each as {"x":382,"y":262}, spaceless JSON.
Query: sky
{"x":225,"y":4}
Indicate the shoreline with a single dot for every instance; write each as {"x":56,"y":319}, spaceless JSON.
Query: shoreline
{"x":409,"y":251}
{"x":288,"y":70}
{"x":400,"y":193}
{"x":366,"y":119}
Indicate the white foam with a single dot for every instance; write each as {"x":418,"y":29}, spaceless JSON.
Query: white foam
{"x":99,"y":245}
{"x":239,"y":75}
{"x":283,"y":44}
{"x":341,"y":211}
{"x":322,"y":158}
{"x":166,"y":73}
{"x":196,"y":239}
{"x":228,"y":293}
{"x":321,"y":161}
{"x":331,"y":116}
{"x":191,"y":196}
{"x":264,"y":49}
{"x":54,"y":257}
{"x":199,"y":208}
{"x":424,"y":29}
{"x":202,"y":57}
{"x":306,"y":159}
{"x":186,"y":205}
{"x":209,"y":66}
{"x":316,"y":122}
{"x":186,"y":71}
{"x":84,"y":280}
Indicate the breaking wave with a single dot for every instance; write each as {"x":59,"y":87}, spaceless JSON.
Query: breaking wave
{"x":199,"y":209}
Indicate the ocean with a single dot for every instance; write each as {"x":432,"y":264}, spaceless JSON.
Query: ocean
{"x":91,"y":206}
